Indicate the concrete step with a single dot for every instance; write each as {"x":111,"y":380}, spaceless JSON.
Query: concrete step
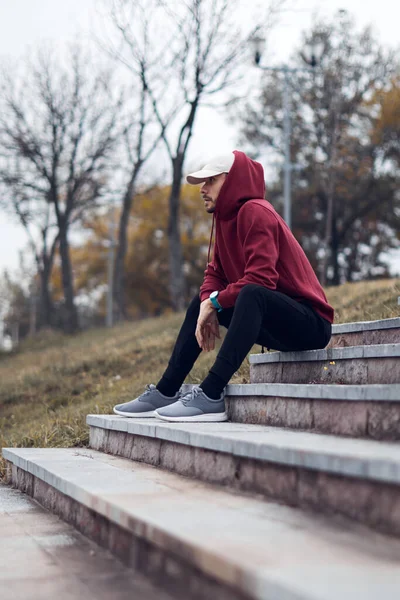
{"x":371,"y":411}
{"x":43,"y":558}
{"x":203,"y":542}
{"x":356,"y":478}
{"x":363,"y":333}
{"x":353,"y":365}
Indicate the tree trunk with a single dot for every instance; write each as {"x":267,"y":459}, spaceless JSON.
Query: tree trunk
{"x":335,"y":252}
{"x":351,"y":263}
{"x":119,"y":269}
{"x":174,"y":238}
{"x":46,"y":308}
{"x":71,"y":315}
{"x":32,"y":314}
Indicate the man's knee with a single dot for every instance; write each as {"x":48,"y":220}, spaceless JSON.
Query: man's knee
{"x":250,"y":289}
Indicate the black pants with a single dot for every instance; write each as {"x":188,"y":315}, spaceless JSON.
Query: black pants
{"x":260,"y":316}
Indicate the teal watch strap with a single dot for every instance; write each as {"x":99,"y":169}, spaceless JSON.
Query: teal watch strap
{"x":215,"y":302}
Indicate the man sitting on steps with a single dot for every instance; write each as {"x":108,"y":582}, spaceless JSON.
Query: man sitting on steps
{"x":259,"y":285}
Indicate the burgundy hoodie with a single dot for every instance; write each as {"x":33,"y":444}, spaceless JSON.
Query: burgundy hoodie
{"x":253,"y":244}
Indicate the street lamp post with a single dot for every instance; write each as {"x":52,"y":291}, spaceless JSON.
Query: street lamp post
{"x":110,"y":269}
{"x":288,"y":166}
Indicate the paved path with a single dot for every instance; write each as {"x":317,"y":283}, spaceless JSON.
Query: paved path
{"x":43,"y":558}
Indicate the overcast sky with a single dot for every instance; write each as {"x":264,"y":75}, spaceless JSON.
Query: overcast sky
{"x":26,"y":23}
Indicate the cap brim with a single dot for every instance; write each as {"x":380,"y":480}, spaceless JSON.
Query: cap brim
{"x":201,"y":176}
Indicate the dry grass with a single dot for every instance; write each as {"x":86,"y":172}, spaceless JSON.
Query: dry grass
{"x":53,"y":382}
{"x":365,"y":301}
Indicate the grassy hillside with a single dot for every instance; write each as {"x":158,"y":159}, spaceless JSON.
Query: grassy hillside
{"x":53,"y":382}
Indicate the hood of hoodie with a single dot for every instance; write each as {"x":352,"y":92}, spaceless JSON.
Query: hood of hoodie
{"x":245,"y":181}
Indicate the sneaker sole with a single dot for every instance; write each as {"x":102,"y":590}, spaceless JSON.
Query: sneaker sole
{"x":149,"y":413}
{"x":210,"y":418}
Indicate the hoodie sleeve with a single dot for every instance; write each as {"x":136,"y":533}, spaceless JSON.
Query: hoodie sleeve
{"x":258,"y":233}
{"x":214,"y":279}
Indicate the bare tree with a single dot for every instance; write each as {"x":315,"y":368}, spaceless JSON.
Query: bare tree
{"x":139,"y":140}
{"x":20,"y":200}
{"x":58,"y":123}
{"x":134,"y":139}
{"x":140,"y":132}
{"x":186,"y":53}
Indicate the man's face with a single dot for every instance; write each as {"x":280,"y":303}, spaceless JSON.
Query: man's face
{"x":210,"y":191}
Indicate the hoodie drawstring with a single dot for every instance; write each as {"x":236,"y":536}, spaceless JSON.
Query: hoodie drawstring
{"x":209,"y":245}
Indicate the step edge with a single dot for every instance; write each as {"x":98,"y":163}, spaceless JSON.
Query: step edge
{"x":346,"y":353}
{"x":314,"y":391}
{"x":340,"y":462}
{"x":359,"y":326}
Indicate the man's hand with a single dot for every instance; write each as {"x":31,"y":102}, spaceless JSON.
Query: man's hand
{"x":207,"y":326}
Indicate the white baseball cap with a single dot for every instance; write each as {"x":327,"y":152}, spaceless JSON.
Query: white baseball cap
{"x":216,"y":166}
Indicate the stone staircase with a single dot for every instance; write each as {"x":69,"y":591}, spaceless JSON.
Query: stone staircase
{"x":297,"y":498}
{"x":365,"y":333}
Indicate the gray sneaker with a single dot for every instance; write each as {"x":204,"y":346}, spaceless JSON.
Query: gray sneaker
{"x":146,"y":403}
{"x":194,"y":406}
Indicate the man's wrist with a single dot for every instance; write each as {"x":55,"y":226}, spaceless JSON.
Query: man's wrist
{"x":214,"y":301}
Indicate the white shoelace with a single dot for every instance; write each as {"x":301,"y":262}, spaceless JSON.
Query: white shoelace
{"x":148,"y":389}
{"x":194,"y":392}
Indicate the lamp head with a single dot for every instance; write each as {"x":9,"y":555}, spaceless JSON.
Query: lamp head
{"x":258,"y":44}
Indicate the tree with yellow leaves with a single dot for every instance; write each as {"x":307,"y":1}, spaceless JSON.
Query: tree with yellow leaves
{"x":147,"y":267}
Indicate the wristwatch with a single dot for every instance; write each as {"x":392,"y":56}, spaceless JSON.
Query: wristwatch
{"x":214,"y":300}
